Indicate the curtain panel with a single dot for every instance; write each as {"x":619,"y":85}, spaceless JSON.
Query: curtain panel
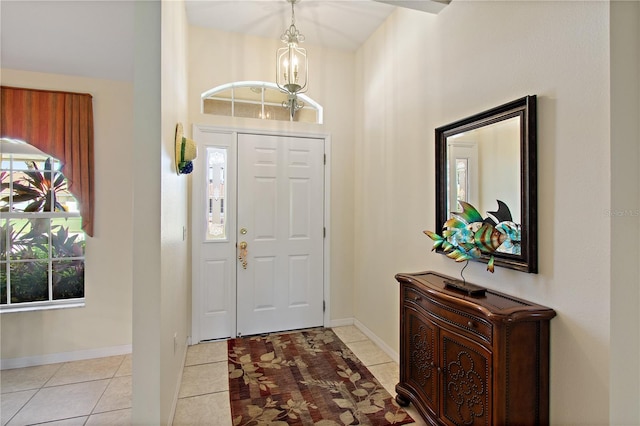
{"x":61,"y":125}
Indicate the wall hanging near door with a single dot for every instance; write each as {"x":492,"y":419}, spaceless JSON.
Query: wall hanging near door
{"x":186,"y":152}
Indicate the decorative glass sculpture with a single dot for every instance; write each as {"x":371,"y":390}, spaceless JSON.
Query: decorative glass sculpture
{"x":466,"y":235}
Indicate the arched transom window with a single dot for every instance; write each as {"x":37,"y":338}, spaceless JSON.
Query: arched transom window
{"x":257,"y":99}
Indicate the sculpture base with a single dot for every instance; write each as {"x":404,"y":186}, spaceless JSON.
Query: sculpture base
{"x":470,"y":289}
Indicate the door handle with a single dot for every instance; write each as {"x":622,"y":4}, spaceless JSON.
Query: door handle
{"x":242,"y":255}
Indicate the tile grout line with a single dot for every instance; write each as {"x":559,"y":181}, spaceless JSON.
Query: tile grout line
{"x":23,"y":405}
{"x":102,"y":412}
{"x":381,"y":363}
{"x":53,"y":374}
{"x":93,"y":409}
{"x":203,"y":394}
{"x":99,"y":398}
{"x":204,"y":363}
{"x":119,"y":366}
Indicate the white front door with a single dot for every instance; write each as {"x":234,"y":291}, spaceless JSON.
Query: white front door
{"x":273,"y":188}
{"x":280,"y":219}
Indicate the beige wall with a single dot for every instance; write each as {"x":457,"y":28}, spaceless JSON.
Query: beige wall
{"x":175,"y":260}
{"x":397,"y":93}
{"x":147,"y":378}
{"x":162,"y":292}
{"x":105,"y":322}
{"x":217,"y":58}
{"x":625,"y":205}
{"x":420,"y":72}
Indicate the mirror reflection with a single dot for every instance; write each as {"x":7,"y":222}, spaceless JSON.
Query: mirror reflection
{"x":484,"y":167}
{"x":488,"y":160}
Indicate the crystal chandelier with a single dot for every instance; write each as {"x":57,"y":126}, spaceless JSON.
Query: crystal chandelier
{"x":291,"y":67}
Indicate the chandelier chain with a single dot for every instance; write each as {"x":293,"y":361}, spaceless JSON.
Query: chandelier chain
{"x":292,"y":35}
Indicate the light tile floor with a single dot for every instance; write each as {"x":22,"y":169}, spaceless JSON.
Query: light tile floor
{"x":90,"y":392}
{"x":98,"y":392}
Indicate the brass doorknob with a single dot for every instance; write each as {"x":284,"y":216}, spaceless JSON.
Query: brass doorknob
{"x":242,"y":255}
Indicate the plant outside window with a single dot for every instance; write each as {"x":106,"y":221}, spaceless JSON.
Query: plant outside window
{"x":41,"y":241}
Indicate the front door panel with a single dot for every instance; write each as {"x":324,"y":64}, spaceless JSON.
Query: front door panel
{"x":280,"y":219}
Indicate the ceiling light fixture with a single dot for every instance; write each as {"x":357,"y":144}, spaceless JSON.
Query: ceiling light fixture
{"x":291,"y":67}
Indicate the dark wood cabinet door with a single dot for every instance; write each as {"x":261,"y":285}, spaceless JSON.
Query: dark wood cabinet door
{"x":421,"y":352}
{"x":466,"y":381}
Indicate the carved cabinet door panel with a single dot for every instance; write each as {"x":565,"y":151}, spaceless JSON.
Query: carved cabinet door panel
{"x":422,"y":354}
{"x":466,"y":381}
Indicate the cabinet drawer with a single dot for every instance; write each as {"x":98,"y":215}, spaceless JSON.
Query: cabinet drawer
{"x":450,"y":315}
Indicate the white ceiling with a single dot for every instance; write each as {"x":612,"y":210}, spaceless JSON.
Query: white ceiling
{"x":341,"y":24}
{"x":95,"y":38}
{"x":83,"y":38}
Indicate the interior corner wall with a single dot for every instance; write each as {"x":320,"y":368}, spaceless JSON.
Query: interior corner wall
{"x":217,"y":57}
{"x":175,"y":261}
{"x":420,"y":71}
{"x":394,"y":161}
{"x":104,"y":324}
{"x":625,"y":213}
{"x":148,"y":384}
{"x":161,"y":270}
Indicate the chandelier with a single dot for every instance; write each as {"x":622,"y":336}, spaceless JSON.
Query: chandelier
{"x":291,"y":67}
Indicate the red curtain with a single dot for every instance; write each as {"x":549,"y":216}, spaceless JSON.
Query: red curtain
{"x":61,"y":125}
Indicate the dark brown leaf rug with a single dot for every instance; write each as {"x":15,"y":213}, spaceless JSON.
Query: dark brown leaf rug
{"x":305,"y":378}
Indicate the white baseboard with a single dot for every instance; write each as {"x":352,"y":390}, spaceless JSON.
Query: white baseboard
{"x":378,"y":341}
{"x":370,"y":334}
{"x":341,"y":322}
{"x":30,"y":361}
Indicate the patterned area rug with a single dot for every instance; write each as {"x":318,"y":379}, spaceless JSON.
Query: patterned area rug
{"x":305,"y":378}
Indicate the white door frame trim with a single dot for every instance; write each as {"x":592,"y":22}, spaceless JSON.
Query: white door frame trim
{"x":195,"y":327}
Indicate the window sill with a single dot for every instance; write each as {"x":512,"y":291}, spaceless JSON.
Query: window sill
{"x":42,"y":306}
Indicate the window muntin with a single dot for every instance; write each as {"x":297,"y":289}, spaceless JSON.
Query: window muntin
{"x":41,"y":240}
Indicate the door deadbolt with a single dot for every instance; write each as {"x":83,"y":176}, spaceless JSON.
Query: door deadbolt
{"x":243,"y":231}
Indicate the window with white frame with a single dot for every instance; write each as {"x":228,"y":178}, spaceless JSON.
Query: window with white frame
{"x":258,"y":99}
{"x":41,"y":240}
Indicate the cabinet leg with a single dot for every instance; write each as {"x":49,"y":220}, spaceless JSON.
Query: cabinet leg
{"x":402,"y":401}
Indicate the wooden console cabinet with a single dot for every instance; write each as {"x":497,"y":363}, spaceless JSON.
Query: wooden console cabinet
{"x":472,"y":360}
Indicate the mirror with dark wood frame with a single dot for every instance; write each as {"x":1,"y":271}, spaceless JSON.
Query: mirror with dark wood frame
{"x":489,"y":161}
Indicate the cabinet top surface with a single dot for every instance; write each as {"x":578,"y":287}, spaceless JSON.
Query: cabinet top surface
{"x":491,"y":303}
